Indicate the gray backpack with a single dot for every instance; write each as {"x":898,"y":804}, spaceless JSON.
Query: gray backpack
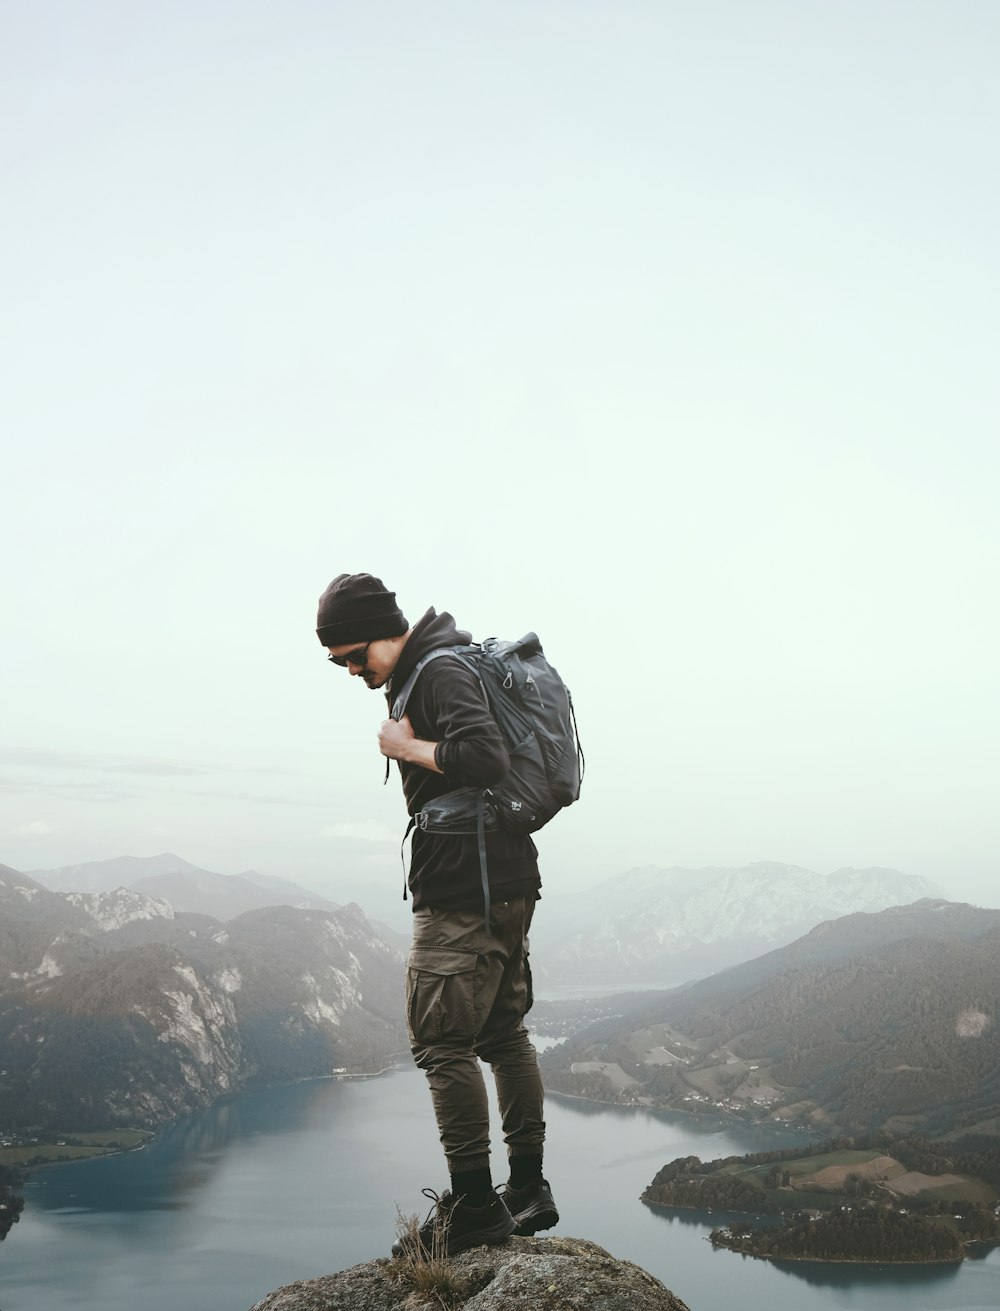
{"x":534,"y":712}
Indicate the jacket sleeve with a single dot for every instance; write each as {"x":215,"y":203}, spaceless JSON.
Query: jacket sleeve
{"x":470,"y":749}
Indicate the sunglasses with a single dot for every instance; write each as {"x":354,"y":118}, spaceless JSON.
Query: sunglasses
{"x":359,"y":656}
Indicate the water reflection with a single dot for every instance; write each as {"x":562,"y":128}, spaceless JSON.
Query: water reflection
{"x":182,"y":1158}
{"x":979,"y":1251}
{"x":705,"y":1220}
{"x":901,"y":1279}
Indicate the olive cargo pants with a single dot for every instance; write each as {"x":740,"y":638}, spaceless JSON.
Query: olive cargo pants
{"x":467,"y":992}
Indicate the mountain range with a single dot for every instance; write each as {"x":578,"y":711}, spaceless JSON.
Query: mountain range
{"x":656,"y":927}
{"x":117,"y":1009}
{"x":185,"y":886}
{"x":646,"y":927}
{"x":188,"y":887}
{"x":886,"y":1020}
{"x":132,"y":1004}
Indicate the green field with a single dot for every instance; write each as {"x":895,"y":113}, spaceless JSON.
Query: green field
{"x":73,"y":1147}
{"x":963,"y":1189}
{"x":969,"y":1190}
{"x":805,"y":1165}
{"x":813,"y":1164}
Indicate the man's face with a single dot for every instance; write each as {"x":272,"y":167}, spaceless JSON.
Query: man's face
{"x":372,"y":661}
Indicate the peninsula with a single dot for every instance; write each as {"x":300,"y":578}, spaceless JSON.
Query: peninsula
{"x":871,"y":1200}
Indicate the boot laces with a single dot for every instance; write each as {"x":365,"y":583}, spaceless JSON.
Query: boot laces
{"x":439,"y":1212}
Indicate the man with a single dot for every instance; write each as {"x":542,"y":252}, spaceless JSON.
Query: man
{"x":468,"y":983}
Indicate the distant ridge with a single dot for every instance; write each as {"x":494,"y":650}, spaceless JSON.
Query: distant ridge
{"x":103,"y":875}
{"x":655,"y":927}
{"x":185,"y":886}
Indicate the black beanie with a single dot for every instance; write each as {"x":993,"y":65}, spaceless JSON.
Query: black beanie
{"x":358,"y":608}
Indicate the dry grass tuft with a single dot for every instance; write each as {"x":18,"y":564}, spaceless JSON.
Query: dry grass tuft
{"x":427,"y":1272}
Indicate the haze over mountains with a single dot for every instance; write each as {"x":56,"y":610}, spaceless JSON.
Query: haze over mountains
{"x":647,"y":927}
{"x":656,"y":927}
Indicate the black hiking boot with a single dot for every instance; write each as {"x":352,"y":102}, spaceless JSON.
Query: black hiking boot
{"x":531,"y":1206}
{"x":452,"y":1226}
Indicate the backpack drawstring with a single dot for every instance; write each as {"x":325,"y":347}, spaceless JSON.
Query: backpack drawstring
{"x":402,"y":859}
{"x":481,"y":835}
{"x":576,"y":733}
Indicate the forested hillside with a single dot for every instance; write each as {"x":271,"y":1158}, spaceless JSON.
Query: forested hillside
{"x":871,"y":1020}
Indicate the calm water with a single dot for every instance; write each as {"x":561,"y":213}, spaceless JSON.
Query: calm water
{"x":297,"y":1182}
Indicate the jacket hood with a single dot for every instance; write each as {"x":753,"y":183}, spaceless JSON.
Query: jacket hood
{"x":430,"y":631}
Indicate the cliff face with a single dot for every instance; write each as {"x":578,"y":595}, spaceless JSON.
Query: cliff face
{"x":559,"y":1274}
{"x":117,"y":1010}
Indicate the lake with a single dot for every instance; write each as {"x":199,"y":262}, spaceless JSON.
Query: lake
{"x":295,"y":1182}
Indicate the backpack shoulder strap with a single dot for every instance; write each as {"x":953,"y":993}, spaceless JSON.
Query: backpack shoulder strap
{"x":399,"y":702}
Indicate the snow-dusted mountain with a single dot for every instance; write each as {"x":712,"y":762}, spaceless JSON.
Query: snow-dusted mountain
{"x":664,"y":926}
{"x":112,"y":910}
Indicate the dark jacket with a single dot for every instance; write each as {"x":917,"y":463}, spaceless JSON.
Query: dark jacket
{"x":447,"y":706}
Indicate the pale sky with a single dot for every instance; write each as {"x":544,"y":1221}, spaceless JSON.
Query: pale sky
{"x":668,"y":330}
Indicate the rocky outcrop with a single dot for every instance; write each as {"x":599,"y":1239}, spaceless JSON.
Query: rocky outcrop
{"x":559,"y":1274}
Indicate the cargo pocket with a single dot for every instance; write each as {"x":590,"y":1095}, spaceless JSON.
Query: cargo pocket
{"x":439,"y":996}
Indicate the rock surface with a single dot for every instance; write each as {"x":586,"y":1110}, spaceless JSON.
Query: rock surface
{"x":524,"y":1274}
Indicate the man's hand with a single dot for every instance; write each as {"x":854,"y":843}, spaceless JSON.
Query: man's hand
{"x":397,"y":741}
{"x":394,"y":737}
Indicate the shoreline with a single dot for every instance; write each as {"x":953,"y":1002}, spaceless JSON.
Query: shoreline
{"x":27,"y":1167}
{"x":813,"y":1260}
{"x":835,"y":1260}
{"x":718,"y":1115}
{"x":717,"y":1112}
{"x":851,"y":1260}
